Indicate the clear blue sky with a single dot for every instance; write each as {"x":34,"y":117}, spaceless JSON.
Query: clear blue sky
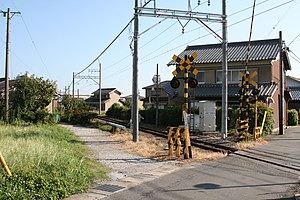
{"x":55,"y":38}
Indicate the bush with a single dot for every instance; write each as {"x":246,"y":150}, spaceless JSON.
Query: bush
{"x":261,"y":108}
{"x":170,"y":116}
{"x":119,"y":112}
{"x":292,"y":117}
{"x":76,"y":111}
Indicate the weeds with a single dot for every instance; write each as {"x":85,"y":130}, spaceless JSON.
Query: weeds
{"x":47,"y":162}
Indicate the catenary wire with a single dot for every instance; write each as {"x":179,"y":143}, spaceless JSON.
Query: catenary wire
{"x":179,"y":46}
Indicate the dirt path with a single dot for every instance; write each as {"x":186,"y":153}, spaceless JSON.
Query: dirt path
{"x":126,"y":169}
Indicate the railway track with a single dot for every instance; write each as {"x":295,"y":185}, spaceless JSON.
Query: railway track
{"x":214,"y":145}
{"x":195,"y":141}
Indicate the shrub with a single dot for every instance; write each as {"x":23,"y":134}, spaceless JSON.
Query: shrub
{"x":292,"y":117}
{"x":261,"y":108}
{"x":119,"y":112}
{"x":170,"y":116}
{"x":76,"y":111}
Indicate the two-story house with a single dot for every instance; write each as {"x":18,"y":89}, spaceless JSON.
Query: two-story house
{"x":109,"y":96}
{"x":263,"y":59}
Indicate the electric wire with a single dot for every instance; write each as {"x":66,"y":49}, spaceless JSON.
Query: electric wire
{"x":285,"y":13}
{"x":33,"y":43}
{"x":294,"y":39}
{"x":200,"y":37}
{"x":113,"y":41}
{"x":250,"y":34}
{"x":296,"y":58}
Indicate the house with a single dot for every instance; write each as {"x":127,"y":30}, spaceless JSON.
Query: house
{"x":293,"y":85}
{"x":263,"y":59}
{"x":164,"y":93}
{"x":2,"y":85}
{"x":109,"y":96}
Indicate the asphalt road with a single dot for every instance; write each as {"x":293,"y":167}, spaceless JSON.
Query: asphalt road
{"x":235,"y":177}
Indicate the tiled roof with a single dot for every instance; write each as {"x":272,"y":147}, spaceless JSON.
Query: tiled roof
{"x":295,"y":93}
{"x":215,"y":90}
{"x":107,"y":91}
{"x":212,"y":53}
{"x":160,"y":85}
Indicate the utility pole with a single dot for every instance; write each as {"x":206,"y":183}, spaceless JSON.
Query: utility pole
{"x":134,"y":110}
{"x":156,"y":91}
{"x":224,"y":74}
{"x":281,"y":100}
{"x":8,"y":16}
{"x":99,"y":88}
{"x":73,"y":85}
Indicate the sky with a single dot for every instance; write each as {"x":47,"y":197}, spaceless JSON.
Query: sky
{"x":55,"y":38}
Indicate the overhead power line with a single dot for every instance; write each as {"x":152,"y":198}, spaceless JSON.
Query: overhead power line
{"x":33,"y":43}
{"x":195,"y":39}
{"x":294,"y":39}
{"x":106,"y":47}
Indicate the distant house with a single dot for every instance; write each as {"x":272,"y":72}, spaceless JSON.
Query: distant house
{"x":164,"y":93}
{"x":293,"y":85}
{"x":109,"y":96}
{"x":2,"y":85}
{"x":263,"y":59}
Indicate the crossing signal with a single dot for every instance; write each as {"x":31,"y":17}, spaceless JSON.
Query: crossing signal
{"x":175,"y":83}
{"x":243,"y":126}
{"x":192,"y":82}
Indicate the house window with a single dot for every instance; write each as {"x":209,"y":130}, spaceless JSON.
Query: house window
{"x":233,"y":76}
{"x":200,"y":77}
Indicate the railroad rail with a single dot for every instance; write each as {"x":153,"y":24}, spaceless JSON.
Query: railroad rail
{"x":258,"y":155}
{"x":195,"y":141}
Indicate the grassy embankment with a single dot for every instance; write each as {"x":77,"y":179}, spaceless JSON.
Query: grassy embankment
{"x":47,"y":162}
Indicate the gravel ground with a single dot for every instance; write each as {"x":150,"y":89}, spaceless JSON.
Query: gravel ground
{"x":126,"y":169}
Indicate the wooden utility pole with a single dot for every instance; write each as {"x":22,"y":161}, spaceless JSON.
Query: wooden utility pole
{"x":7,"y":66}
{"x":8,"y":16}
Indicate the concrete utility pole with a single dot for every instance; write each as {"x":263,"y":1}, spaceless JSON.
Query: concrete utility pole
{"x":73,"y":85}
{"x":8,"y":16}
{"x":156,"y":93}
{"x":100,"y":89}
{"x":224,"y":74}
{"x":199,"y":18}
{"x":134,"y":110}
{"x":281,"y":100}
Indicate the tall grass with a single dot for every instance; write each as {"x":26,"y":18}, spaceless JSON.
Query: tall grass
{"x":47,"y":162}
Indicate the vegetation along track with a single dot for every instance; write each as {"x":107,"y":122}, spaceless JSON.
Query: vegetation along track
{"x":195,"y":141}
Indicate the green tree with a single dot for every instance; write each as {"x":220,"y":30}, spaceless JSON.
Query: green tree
{"x":76,"y":111}
{"x":30,"y":97}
